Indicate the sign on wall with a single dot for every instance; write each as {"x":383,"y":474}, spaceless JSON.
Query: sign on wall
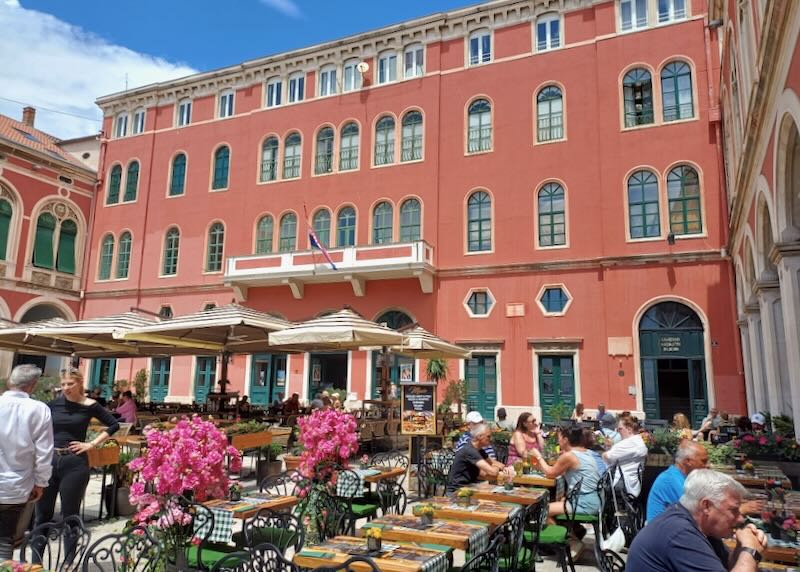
{"x":418,"y":409}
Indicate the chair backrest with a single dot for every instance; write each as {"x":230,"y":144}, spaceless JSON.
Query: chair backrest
{"x":280,"y":529}
{"x":392,"y":458}
{"x":535,"y":518}
{"x":433,"y":469}
{"x":501,"y":452}
{"x":349,"y":484}
{"x":392,"y":497}
{"x":282,"y":484}
{"x":131,"y":551}
{"x":262,"y":558}
{"x":488,"y":560}
{"x":363,"y":562}
{"x":57,"y":546}
{"x":512,"y":532}
{"x":331,"y":514}
{"x":612,"y":562}
{"x":571,"y":500}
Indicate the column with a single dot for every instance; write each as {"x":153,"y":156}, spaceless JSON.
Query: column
{"x":756,"y":359}
{"x":789,"y":277}
{"x":748,"y":370}
{"x":768,"y":295}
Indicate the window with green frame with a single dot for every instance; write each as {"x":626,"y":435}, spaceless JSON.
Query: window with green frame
{"x":643,"y":211}
{"x":216,"y":247}
{"x":222,"y":158}
{"x":269,"y":160}
{"x":412,"y":137}
{"x":346,"y":227}
{"x":43,"y":244}
{"x":384,"y":140}
{"x":676,"y":91}
{"x":124,"y":255}
{"x":479,"y":222}
{"x":6,"y":213}
{"x":479,"y":130}
{"x":264,"y":235}
{"x":114,"y":183}
{"x":171,"y":250}
{"x":348,"y":147}
{"x":683,"y":194}
{"x":178,"y":180}
{"x":292,"y":150}
{"x":549,"y":114}
{"x":288,"y":233}
{"x":552,"y":215}
{"x":410,"y":223}
{"x":65,"y":258}
{"x":106,"y":258}
{"x":322,"y":226}
{"x":131,"y":182}
{"x":323,"y":162}
{"x":637,"y":88}
{"x":382,"y":231}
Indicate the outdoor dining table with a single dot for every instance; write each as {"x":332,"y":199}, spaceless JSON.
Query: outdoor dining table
{"x":776,"y":567}
{"x":395,"y":557}
{"x":791,"y":504}
{"x":521,"y":495}
{"x":468,"y":535}
{"x":251,"y":503}
{"x":777,"y":551}
{"x":384,"y":473}
{"x":555,"y":486}
{"x":488,"y":511}
{"x":759,"y":477}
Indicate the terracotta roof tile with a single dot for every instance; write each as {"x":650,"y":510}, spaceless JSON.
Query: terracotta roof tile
{"x":21,"y":134}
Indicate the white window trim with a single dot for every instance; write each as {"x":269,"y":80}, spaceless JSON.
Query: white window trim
{"x":292,"y":95}
{"x":489,"y":310}
{"x":479,"y":34}
{"x":357,"y":79}
{"x":672,"y":19}
{"x":121,"y":119}
{"x":634,"y":17}
{"x":414,"y":49}
{"x":226,"y":104}
{"x":178,"y":114}
{"x":386,"y":55}
{"x":544,"y":310}
{"x":139,"y":117}
{"x":327,"y":81}
{"x":547,"y":18}
{"x":271,"y":82}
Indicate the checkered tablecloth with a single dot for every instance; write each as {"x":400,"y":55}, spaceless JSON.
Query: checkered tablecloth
{"x":478,"y":540}
{"x":223,"y":526}
{"x":439,"y":563}
{"x":345,"y":486}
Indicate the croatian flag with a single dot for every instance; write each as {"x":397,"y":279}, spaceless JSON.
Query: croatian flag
{"x":315,"y":243}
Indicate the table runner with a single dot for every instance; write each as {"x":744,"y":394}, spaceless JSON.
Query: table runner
{"x":224,"y":511}
{"x":477,"y":533}
{"x":429,"y":559}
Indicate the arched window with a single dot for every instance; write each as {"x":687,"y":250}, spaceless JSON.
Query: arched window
{"x":269,"y":160}
{"x":552,"y":215}
{"x":131,"y":182}
{"x":323,"y":162}
{"x":637,"y":88}
{"x":676,"y":91}
{"x":348,"y":147}
{"x":549,"y":114}
{"x":479,"y":222}
{"x":106,"y":258}
{"x":172,"y":242}
{"x":412,"y":136}
{"x":382,"y":215}
{"x":6,"y":213}
{"x":43,"y":245}
{"x":216,"y":247}
{"x":288,"y":233}
{"x":410,"y":224}
{"x":291,"y":156}
{"x":222,"y":159}
{"x":65,"y":261}
{"x":114,"y":183}
{"x":124,"y":255}
{"x":178,"y":182}
{"x":643,"y":214}
{"x":384,"y":140}
{"x":264,"y":235}
{"x":479,"y":132}
{"x":683,"y":194}
{"x":346,"y":227}
{"x":322,"y":226}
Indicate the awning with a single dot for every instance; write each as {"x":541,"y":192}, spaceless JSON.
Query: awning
{"x":342,"y":330}
{"x":420,"y":343}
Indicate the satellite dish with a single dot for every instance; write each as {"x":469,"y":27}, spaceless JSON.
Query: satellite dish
{"x":362,"y":67}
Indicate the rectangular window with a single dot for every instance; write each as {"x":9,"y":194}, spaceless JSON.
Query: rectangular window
{"x":352,"y":78}
{"x":548,"y":33}
{"x":671,"y":10}
{"x":387,"y":68}
{"x":632,"y":15}
{"x":480,"y":48}
{"x":274,"y":93}
{"x":297,"y":88}
{"x":414,"y":62}
{"x":327,"y":82}
{"x":226,"y":104}
{"x":122,"y":126}
{"x":184,"y":113}
{"x":138,"y":122}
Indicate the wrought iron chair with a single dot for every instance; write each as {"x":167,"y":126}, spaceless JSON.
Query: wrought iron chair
{"x":282,"y":484}
{"x":262,"y":558}
{"x":434,"y":469}
{"x":131,"y":551}
{"x":364,"y":563}
{"x":392,"y":459}
{"x":57,"y":546}
{"x":330,"y":514}
{"x":392,"y":498}
{"x":349,"y":489}
{"x":280,"y":529}
{"x":489,"y":559}
{"x":511,"y":531}
{"x":612,"y":562}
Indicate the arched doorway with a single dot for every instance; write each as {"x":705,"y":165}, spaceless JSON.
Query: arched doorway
{"x":401,"y":368}
{"x":50,"y":365}
{"x":671,"y":342}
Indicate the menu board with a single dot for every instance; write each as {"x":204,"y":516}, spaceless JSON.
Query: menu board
{"x":418,"y":408}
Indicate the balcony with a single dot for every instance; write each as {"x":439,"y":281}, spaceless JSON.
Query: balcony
{"x":354,"y":264}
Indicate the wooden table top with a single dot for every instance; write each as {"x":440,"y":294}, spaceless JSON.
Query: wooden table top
{"x":519,"y":494}
{"x":535,"y":480}
{"x":386,"y":563}
{"x":455,"y":534}
{"x":487,"y":511}
{"x":249,"y":509}
{"x":773,"y":554}
{"x":386,"y":474}
{"x":775,"y":567}
{"x":757,"y":479}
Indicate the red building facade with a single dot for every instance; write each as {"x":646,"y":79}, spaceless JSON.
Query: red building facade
{"x":543,"y":187}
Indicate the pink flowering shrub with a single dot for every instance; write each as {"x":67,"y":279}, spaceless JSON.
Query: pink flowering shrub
{"x":328,"y":436}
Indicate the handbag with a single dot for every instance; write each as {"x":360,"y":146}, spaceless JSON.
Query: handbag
{"x":616,"y":541}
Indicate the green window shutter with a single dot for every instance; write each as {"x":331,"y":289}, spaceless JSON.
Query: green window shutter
{"x":171,"y":247}
{"x":288,"y":233}
{"x":382,"y":218}
{"x":643,"y":212}
{"x":479,"y":222}
{"x":221,"y":164}
{"x":264,"y":236}
{"x":124,"y":255}
{"x":6,"y":212}
{"x":66,"y":247}
{"x":178,"y":181}
{"x":106,"y":258}
{"x":43,"y":245}
{"x":410,"y":220}
{"x":322,"y":227}
{"x":216,"y":242}
{"x":552,"y":218}
{"x":114,"y":182}
{"x":683,"y":193}
{"x":132,"y":183}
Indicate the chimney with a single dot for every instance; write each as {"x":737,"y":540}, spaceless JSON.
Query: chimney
{"x":28,"y":115}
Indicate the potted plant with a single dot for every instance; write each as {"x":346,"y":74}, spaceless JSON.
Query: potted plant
{"x":425,"y":513}
{"x":247,"y":435}
{"x":292,"y":458}
{"x":124,"y":478}
{"x":269,"y":464}
{"x":235,"y":491}
{"x":363,"y":462}
{"x":464,"y":496}
{"x":374,"y":539}
{"x":748,"y":468}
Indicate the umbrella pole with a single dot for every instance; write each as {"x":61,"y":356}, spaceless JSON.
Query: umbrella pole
{"x":384,"y":374}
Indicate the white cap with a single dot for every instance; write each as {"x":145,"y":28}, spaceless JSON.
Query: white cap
{"x":474,"y":417}
{"x":758,"y":418}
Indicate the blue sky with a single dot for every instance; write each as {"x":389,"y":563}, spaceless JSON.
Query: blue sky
{"x":66,"y":53}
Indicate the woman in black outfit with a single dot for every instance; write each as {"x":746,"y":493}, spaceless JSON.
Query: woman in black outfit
{"x":71,"y":412}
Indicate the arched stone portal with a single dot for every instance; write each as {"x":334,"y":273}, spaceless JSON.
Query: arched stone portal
{"x":50,"y":365}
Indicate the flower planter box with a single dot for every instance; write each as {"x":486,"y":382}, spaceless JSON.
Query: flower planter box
{"x":103,"y":456}
{"x":658,"y":460}
{"x":291,"y":461}
{"x":247,"y":441}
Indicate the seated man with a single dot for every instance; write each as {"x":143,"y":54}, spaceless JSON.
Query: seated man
{"x":668,"y":486}
{"x":627,"y":456}
{"x":608,"y":424}
{"x":688,"y":536}
{"x":474,"y":419}
{"x":472,"y":461}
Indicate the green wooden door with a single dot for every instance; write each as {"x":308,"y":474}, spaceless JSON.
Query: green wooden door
{"x":267,"y":378}
{"x":159,"y":379}
{"x":400,"y":368}
{"x":556,"y":385}
{"x":205,"y":377}
{"x":103,"y":372}
{"x":480,"y":372}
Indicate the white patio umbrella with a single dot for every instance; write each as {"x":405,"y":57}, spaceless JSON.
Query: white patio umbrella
{"x":420,"y":343}
{"x":23,"y":338}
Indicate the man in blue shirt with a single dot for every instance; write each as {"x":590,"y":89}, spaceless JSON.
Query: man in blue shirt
{"x":668,"y":486}
{"x":474,"y":419}
{"x":688,"y":536}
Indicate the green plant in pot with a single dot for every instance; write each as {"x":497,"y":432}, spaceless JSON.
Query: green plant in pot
{"x":269,"y":464}
{"x":124,"y":478}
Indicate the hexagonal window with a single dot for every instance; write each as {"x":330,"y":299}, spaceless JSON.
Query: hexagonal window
{"x":554,"y":299}
{"x":479,"y":302}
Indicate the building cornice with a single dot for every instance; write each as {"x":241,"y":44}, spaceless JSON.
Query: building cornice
{"x":35,"y":157}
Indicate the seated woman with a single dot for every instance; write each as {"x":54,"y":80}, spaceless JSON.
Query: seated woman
{"x":577,"y":413}
{"x":472,"y":462}
{"x":680,"y":423}
{"x":574,"y":462}
{"x":127,"y":407}
{"x":526,"y":437}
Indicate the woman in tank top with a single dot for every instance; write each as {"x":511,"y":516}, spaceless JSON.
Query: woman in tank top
{"x":526,"y":437}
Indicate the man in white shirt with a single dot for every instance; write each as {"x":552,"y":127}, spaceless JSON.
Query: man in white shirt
{"x":627,"y":455}
{"x":26,"y":451}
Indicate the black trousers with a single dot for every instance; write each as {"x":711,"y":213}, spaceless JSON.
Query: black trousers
{"x":69,"y":480}
{"x":9,"y":517}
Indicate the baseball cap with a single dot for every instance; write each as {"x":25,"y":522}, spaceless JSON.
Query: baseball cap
{"x":608,"y":420}
{"x":758,"y":418}
{"x":474,"y":417}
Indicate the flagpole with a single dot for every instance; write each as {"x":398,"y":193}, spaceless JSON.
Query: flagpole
{"x":313,"y":254}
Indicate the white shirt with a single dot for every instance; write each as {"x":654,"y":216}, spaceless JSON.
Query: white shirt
{"x":26,"y":446}
{"x":628,"y":455}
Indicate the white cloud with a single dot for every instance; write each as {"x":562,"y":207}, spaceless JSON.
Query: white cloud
{"x":286,"y":7}
{"x":51,"y":64}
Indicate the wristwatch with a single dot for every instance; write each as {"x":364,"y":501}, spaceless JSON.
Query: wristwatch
{"x":752,"y":552}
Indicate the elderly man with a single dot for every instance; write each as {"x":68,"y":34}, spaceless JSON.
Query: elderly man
{"x":688,"y":536}
{"x":668,"y":486}
{"x":26,"y":451}
{"x":608,"y":424}
{"x":627,"y":455}
{"x":474,"y":419}
{"x":472,"y":461}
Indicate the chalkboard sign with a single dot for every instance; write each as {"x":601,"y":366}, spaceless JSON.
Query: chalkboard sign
{"x":418,"y":409}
